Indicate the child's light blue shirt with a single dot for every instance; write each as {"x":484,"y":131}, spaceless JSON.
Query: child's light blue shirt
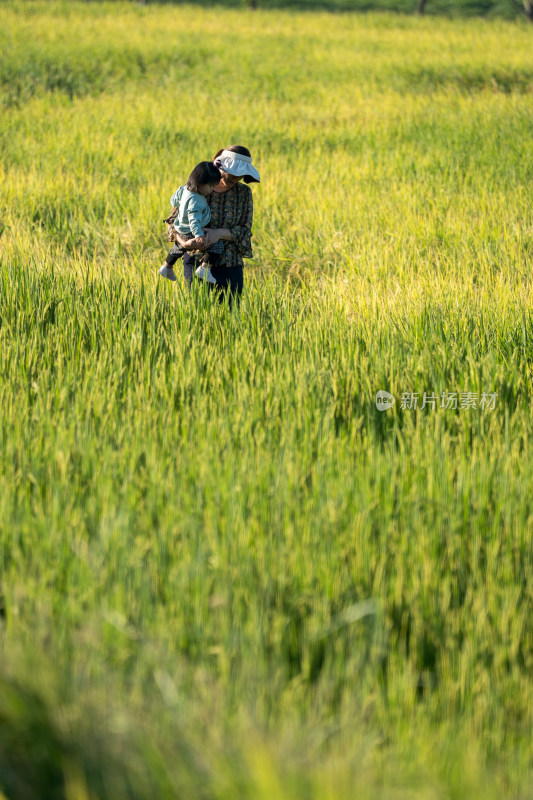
{"x":194,"y":213}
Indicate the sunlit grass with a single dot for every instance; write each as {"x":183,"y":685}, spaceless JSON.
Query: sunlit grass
{"x":223,"y":572}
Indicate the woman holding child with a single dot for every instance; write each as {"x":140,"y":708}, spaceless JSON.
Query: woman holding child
{"x":231,"y":205}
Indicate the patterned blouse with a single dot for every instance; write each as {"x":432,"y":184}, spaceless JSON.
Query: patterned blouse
{"x":234,"y":209}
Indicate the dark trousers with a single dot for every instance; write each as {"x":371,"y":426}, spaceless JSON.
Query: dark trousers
{"x":228,"y":279}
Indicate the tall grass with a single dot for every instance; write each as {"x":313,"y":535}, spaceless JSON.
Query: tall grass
{"x":223,"y":572}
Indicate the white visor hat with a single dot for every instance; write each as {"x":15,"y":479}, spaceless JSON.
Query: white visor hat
{"x":235,"y":164}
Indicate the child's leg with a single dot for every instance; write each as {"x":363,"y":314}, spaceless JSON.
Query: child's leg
{"x":204,"y":270}
{"x":167,"y":270}
{"x":211,"y":259}
{"x":173,"y":254}
{"x":205,"y":273}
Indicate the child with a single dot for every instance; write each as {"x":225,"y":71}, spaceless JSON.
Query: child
{"x":192,"y":217}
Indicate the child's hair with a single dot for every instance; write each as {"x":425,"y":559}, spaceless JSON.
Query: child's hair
{"x":204,"y":172}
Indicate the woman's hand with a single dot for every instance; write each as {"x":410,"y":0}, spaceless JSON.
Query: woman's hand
{"x":191,"y":244}
{"x":211,"y":236}
{"x":202,"y":242}
{"x":223,"y":233}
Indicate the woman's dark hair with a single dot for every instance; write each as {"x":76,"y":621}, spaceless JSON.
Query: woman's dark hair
{"x":238,"y":148}
{"x":204,"y":172}
{"x":242,"y":151}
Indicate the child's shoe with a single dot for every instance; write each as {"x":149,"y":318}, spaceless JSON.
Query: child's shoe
{"x":205,"y":273}
{"x":167,"y":272}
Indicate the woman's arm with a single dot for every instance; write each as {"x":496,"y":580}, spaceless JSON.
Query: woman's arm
{"x":219,"y":233}
{"x":211,"y":236}
{"x":242,"y":231}
{"x":190,"y":244}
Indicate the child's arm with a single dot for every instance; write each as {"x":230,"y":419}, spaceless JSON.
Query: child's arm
{"x":195,"y":213}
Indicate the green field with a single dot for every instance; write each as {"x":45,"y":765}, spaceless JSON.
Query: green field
{"x":224,"y":573}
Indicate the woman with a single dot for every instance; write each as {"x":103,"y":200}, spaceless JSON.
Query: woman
{"x":231,"y":205}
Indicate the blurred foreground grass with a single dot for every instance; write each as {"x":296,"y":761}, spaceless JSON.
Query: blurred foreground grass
{"x":223,"y":572}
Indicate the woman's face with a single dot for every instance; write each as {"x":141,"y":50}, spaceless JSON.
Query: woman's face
{"x":229,"y":181}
